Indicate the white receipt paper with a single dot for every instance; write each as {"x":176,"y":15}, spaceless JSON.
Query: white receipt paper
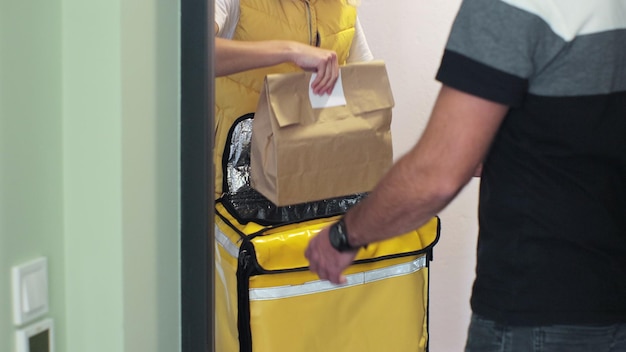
{"x":336,"y":98}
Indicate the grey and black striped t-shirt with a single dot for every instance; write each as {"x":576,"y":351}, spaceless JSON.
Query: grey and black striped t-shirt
{"x":552,"y":243}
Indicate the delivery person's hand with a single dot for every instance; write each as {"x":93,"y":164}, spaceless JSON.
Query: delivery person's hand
{"x":323,"y":62}
{"x":326,"y":261}
{"x":234,"y":56}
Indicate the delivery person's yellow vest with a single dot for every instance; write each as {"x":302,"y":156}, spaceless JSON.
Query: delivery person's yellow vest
{"x":329,"y":24}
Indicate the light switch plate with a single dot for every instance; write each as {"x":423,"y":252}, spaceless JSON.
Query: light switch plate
{"x":37,"y":337}
{"x":30,"y":290}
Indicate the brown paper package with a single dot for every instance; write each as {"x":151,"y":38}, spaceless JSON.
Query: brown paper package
{"x":300,"y":154}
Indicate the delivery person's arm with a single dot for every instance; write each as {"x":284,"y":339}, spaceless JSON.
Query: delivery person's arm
{"x":421,"y":183}
{"x":237,"y":56}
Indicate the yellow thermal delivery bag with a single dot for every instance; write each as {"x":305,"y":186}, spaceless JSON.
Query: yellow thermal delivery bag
{"x":268,"y":301}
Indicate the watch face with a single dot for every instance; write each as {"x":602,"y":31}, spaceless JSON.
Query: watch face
{"x":335,"y":237}
{"x":339,"y":237}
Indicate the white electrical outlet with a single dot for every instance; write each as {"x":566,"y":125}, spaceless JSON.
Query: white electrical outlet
{"x":37,"y":337}
{"x":30,"y":290}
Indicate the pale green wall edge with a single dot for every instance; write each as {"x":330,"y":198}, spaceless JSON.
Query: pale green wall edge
{"x":89,"y":168}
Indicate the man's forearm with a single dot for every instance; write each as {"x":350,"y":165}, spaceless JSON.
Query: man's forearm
{"x":427,"y":178}
{"x":405,"y":200}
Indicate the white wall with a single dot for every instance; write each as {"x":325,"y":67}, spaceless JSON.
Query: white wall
{"x":120,"y":171}
{"x":410,"y":36}
{"x":89,"y":165}
{"x":31,"y":170}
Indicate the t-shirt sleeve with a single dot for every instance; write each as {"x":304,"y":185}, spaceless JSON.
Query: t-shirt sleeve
{"x":489,"y":51}
{"x":226,"y":17}
{"x":360,"y":50}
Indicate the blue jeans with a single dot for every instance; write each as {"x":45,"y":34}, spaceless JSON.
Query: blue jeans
{"x":488,"y":336}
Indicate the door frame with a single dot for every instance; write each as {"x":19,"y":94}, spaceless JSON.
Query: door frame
{"x":196,"y":175}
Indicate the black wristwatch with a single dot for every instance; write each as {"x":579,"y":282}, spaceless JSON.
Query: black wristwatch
{"x":339,"y":237}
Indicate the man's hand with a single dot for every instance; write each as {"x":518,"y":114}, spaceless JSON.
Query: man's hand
{"x":326,"y":261}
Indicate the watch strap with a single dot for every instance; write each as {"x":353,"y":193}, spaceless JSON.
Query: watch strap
{"x":339,"y":237}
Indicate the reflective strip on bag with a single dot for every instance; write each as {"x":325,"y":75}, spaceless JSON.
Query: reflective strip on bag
{"x":225,"y":242}
{"x":313,"y":287}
